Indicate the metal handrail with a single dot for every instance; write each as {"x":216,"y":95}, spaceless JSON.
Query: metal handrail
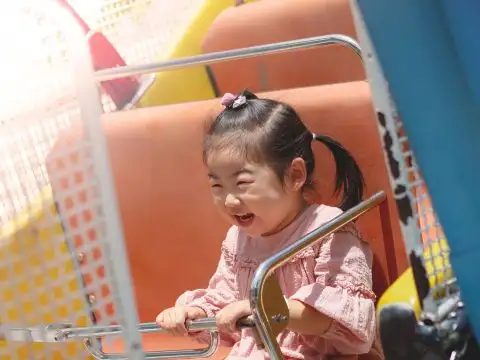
{"x":61,"y":332}
{"x":274,"y":262}
{"x":210,"y":350}
{"x":236,"y":54}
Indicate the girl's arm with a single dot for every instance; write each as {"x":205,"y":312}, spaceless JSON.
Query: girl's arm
{"x":339,"y":306}
{"x":305,"y":319}
{"x":220,"y":292}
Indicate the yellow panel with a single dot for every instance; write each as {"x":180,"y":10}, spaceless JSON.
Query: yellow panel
{"x":36,"y":273}
{"x":437,"y":264}
{"x":404,"y":289}
{"x":187,"y":84}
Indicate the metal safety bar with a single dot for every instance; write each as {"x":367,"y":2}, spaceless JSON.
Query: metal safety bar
{"x":164,"y":354}
{"x":274,"y":262}
{"x":242,"y":53}
{"x":63,"y":332}
{"x":206,"y":324}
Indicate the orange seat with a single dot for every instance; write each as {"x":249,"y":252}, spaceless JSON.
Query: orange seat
{"x":172,"y":231}
{"x":268,"y":21}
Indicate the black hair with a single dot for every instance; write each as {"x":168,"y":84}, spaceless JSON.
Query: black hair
{"x":272,"y":132}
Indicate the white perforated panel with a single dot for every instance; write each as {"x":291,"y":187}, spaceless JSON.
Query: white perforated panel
{"x":61,"y":251}
{"x":422,"y":233}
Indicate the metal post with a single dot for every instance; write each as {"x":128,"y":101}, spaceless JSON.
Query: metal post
{"x":113,"y":241}
{"x":398,"y":170}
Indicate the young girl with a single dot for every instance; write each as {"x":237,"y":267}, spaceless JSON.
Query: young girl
{"x":260,"y":163}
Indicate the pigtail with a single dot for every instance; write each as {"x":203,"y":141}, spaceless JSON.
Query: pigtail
{"x":349,"y":177}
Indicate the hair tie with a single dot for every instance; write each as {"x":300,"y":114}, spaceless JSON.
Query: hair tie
{"x":228,"y":99}
{"x":239,"y":101}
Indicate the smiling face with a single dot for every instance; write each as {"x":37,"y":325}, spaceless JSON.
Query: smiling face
{"x":251,"y":195}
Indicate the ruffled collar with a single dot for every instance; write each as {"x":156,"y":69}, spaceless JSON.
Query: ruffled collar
{"x":251,"y":251}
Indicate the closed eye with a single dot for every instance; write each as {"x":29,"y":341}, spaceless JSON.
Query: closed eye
{"x":243,"y":183}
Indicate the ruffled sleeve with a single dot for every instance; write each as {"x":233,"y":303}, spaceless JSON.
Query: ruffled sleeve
{"x":220,"y":292}
{"x":343,"y":291}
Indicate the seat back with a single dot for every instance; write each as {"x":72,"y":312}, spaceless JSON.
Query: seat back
{"x":268,"y":21}
{"x":172,"y":231}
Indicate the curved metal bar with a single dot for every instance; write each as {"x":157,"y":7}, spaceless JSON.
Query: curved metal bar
{"x":145,"y":84}
{"x":63,"y":332}
{"x":243,"y":53}
{"x":164,"y":354}
{"x":274,"y":262}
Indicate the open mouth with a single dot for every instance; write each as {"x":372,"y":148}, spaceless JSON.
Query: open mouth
{"x":244,"y":219}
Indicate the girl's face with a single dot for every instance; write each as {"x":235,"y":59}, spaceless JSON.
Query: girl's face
{"x":251,"y":195}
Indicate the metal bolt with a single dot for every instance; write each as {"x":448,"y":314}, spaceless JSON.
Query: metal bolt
{"x":452,"y":315}
{"x":80,"y":257}
{"x":92,"y":299}
{"x":279,"y":318}
{"x":136,"y":346}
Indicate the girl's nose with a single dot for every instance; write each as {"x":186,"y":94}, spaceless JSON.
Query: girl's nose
{"x":232,"y":201}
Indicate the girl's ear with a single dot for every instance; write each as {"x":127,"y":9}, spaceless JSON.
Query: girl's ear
{"x":296,"y":175}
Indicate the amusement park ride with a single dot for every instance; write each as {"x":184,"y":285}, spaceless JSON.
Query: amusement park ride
{"x":87,"y":212}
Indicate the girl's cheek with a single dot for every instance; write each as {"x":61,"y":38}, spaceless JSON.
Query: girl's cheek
{"x":217,"y":200}
{"x":249,"y":195}
{"x":259,"y":193}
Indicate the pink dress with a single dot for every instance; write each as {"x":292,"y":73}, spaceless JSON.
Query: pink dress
{"x":333,"y":276}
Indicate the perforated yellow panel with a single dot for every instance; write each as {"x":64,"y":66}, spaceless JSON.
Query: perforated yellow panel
{"x":39,"y":283}
{"x":436,"y":251}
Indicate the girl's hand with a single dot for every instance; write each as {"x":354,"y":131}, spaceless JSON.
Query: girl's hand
{"x":227,"y":317}
{"x":173,"y":319}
